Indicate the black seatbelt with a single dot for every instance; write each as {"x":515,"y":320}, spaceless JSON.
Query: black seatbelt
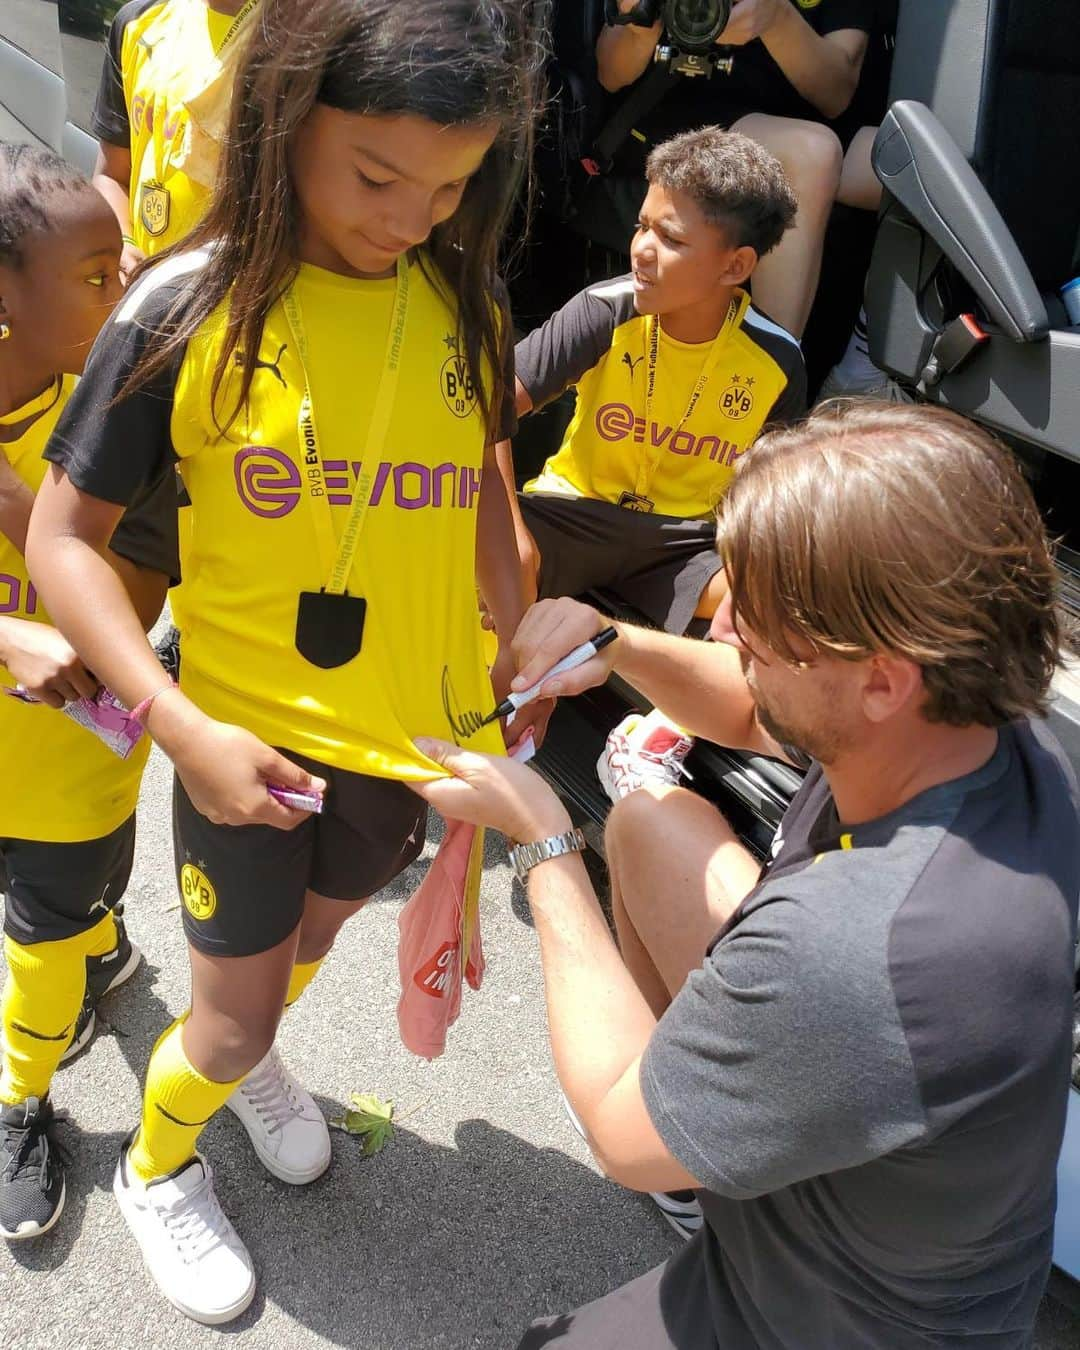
{"x":642,"y":98}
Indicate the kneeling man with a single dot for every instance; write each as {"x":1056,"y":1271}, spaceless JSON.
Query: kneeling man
{"x":856,"y":1056}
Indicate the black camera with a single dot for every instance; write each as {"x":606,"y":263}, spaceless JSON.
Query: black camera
{"x":691,"y":27}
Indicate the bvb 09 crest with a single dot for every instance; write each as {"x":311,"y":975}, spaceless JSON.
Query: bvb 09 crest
{"x":456,"y":382}
{"x":154,"y":208}
{"x":737,"y":400}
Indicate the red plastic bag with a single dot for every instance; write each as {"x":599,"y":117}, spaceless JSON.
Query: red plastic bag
{"x":441,"y":921}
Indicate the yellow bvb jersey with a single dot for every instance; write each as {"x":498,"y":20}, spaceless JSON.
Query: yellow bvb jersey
{"x":161,"y":54}
{"x":616,"y":443}
{"x":59,"y":783}
{"x":421,"y":667}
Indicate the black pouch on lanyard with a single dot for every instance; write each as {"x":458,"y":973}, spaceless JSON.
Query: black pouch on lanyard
{"x":329,"y":627}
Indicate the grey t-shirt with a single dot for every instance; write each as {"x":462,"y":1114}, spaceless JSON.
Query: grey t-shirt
{"x":869,"y":1072}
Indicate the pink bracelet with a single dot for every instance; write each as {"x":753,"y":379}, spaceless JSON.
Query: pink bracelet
{"x":141,"y":711}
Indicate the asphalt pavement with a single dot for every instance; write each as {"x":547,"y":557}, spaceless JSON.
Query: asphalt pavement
{"x":483,"y":1211}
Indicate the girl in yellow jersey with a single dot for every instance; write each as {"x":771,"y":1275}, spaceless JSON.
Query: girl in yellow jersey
{"x":326,"y":360}
{"x":67,"y":825}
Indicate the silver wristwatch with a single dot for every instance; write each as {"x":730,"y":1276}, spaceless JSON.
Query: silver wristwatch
{"x":524,"y":857}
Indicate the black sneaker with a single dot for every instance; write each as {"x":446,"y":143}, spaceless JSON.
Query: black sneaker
{"x":168,"y":652}
{"x":103,"y":973}
{"x":31,"y":1170}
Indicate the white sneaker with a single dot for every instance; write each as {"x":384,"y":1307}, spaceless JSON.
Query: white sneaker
{"x":285,"y":1126}
{"x":190,"y":1248}
{"x":643,"y":750}
{"x":681,"y":1209}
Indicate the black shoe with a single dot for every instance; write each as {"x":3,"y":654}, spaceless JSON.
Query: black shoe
{"x":103,"y":973}
{"x":168,"y":652}
{"x":31,"y":1169}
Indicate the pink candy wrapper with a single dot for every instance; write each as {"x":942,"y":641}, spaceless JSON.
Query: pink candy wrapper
{"x":104,"y":715}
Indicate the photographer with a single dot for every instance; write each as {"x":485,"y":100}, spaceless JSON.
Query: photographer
{"x":793,"y":65}
{"x":858,"y":1057}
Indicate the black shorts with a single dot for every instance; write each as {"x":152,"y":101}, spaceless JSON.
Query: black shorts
{"x":55,"y":891}
{"x":658,"y":564}
{"x":242,"y":886}
{"x":666,"y":1309}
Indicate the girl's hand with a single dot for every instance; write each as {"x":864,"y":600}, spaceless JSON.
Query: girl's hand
{"x":226,"y":771}
{"x":486,"y":790}
{"x":44,"y":663}
{"x":130,"y":257}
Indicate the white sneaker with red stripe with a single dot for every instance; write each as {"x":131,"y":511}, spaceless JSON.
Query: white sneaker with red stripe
{"x":643,"y":749}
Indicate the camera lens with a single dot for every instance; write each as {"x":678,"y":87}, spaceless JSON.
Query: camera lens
{"x":694,"y":25}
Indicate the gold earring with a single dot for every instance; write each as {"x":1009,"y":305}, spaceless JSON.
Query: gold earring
{"x":5,"y":332}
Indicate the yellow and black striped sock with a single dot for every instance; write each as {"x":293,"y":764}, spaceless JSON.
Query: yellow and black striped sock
{"x":301,"y":977}
{"x":42,"y":997}
{"x":177,"y":1104}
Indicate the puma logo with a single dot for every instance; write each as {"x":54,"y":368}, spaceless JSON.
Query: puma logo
{"x":632,"y":361}
{"x":273,"y":366}
{"x":100,"y":904}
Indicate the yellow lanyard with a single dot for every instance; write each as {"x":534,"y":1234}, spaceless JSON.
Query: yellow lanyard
{"x":650,"y":462}
{"x":337,"y":556}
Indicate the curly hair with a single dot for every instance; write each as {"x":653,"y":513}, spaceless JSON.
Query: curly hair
{"x":29,"y":180}
{"x":872,"y":528}
{"x":737,"y":184}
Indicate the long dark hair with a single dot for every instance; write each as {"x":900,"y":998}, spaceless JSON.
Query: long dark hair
{"x":454,"y":62}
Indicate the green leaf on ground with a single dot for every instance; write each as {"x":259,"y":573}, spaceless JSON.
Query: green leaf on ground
{"x":369,"y":1118}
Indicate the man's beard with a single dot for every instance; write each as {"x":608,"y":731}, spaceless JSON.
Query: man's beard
{"x":820,"y":743}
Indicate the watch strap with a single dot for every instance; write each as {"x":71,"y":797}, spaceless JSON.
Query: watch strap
{"x":524,"y":857}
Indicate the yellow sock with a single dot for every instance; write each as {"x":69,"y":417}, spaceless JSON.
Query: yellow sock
{"x":177,"y":1104}
{"x":103,"y":937}
{"x":42,"y":997}
{"x":301,"y":977}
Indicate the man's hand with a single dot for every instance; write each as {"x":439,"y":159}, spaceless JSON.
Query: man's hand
{"x":44,"y":663}
{"x":550,"y":631}
{"x":749,"y":20}
{"x":486,"y":790}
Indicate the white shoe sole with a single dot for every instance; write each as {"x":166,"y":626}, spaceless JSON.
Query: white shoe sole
{"x":686,"y":1221}
{"x":122,"y":976}
{"x":216,"y":1318}
{"x":28,"y":1231}
{"x":130,"y":966}
{"x":604,"y":775}
{"x":290,"y":1176}
{"x":77,"y":1046}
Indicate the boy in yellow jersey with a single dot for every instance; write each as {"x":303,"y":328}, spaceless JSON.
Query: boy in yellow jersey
{"x":67,"y":803}
{"x":676,"y":375}
{"x":159,"y":114}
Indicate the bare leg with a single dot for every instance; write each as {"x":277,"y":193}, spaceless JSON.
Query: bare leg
{"x":237,"y":1001}
{"x":678,"y":873}
{"x":322,"y":921}
{"x":785,"y":281}
{"x":236,"y":1004}
{"x":710,"y":599}
{"x":859,"y":184}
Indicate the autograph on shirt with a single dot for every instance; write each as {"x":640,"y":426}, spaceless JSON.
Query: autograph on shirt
{"x":463,"y":722}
